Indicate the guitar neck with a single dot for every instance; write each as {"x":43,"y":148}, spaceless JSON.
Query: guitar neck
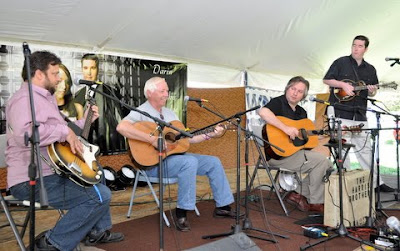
{"x":205,"y":131}
{"x":364,"y":87}
{"x":88,"y":122}
{"x":211,"y":129}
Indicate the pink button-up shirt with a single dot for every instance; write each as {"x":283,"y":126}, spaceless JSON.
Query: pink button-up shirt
{"x":52,"y":128}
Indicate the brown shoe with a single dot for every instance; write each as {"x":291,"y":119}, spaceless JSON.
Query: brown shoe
{"x":107,"y":236}
{"x":299,"y":201}
{"x":221,"y":213}
{"x":317,"y":208}
{"x":182,"y":224}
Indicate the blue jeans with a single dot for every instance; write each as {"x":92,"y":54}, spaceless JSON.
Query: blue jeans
{"x":186,"y":167}
{"x":88,"y":210}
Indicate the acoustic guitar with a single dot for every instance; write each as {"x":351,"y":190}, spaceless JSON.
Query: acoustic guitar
{"x":80,"y":168}
{"x":308,"y":138}
{"x":341,"y":95}
{"x":145,"y":154}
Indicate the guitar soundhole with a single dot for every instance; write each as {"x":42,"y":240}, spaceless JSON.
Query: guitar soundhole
{"x":170,"y":137}
{"x":301,"y":141}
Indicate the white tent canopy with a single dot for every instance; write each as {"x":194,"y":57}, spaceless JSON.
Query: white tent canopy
{"x":272,"y":40}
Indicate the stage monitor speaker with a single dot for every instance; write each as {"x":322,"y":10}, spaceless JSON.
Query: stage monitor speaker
{"x":355,"y":199}
{"x":236,"y":242}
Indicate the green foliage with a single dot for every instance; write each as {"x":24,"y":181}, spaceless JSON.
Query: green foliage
{"x":382,"y":169}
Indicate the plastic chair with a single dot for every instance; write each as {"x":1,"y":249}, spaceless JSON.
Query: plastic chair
{"x":142,"y":176}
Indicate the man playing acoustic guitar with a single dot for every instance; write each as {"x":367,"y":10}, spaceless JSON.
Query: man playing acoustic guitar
{"x":185,"y":166}
{"x":303,"y":160}
{"x":344,"y":74}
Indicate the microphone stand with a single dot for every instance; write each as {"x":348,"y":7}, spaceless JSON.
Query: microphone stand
{"x":339,"y":160}
{"x":236,"y":228}
{"x":375,"y":150}
{"x":396,"y":195}
{"x":396,"y":61}
{"x":246,"y":223}
{"x":35,"y":166}
{"x":161,"y":124}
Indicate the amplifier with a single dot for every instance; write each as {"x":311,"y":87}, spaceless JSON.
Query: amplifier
{"x":355,"y":199}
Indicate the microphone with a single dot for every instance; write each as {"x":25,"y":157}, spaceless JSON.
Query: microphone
{"x":393,"y":223}
{"x":187,"y":98}
{"x":390,"y":59}
{"x":331,"y":119}
{"x":25,"y":48}
{"x":312,"y":98}
{"x":88,"y":82}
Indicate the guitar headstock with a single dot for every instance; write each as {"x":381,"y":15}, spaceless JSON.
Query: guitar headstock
{"x":392,"y":85}
{"x":228,"y":126}
{"x":91,"y":101}
{"x":353,"y":128}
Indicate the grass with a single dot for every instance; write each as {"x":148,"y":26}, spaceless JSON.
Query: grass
{"x":382,"y":169}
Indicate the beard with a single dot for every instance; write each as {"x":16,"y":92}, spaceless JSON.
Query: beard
{"x":49,"y":86}
{"x":51,"y":89}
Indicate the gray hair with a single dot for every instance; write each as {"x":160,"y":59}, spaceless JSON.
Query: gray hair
{"x":151,"y":84}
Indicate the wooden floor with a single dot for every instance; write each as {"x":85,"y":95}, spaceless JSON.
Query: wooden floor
{"x":145,"y":205}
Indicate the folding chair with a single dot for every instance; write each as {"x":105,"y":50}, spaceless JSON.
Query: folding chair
{"x":142,"y":176}
{"x":10,"y":200}
{"x":263,"y":163}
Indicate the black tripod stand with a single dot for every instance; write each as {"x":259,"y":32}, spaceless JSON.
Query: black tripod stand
{"x":375,"y":155}
{"x":247,"y":224}
{"x":397,"y":135}
{"x":341,"y":231}
{"x":236,"y":228}
{"x":375,"y":134}
{"x":35,"y":166}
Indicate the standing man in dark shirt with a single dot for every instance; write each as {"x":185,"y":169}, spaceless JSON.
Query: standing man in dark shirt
{"x":353,"y":112}
{"x":304,"y":161}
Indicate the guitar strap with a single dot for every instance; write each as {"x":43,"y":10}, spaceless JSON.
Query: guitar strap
{"x":76,"y":129}
{"x":355,"y":71}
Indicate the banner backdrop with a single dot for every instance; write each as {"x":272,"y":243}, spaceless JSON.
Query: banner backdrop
{"x":121,"y":77}
{"x":259,"y":96}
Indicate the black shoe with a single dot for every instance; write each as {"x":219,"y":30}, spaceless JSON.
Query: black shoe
{"x":182,"y":224}
{"x":384,"y":189}
{"x":42,"y":244}
{"x":221,"y":213}
{"x":105,"y":237}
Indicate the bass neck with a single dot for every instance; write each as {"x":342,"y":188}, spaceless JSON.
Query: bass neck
{"x":88,"y":122}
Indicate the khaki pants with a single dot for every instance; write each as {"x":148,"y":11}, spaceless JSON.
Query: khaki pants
{"x":307,"y":162}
